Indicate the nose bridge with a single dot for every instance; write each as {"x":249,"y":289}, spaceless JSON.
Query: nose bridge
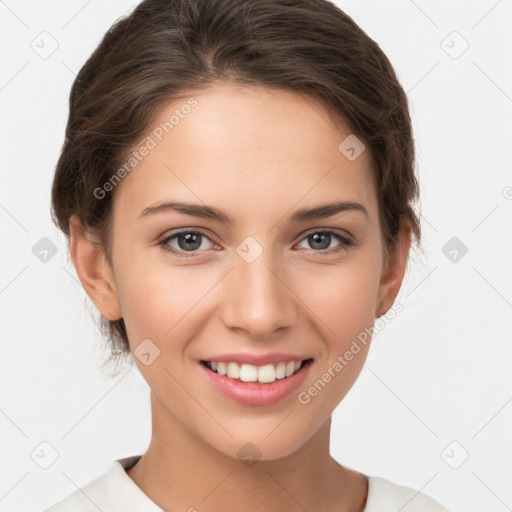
{"x":259,"y":301}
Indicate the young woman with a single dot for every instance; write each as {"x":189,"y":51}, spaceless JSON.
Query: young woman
{"x":237,"y":185}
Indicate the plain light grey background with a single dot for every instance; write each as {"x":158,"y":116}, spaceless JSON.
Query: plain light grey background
{"x":432,"y":408}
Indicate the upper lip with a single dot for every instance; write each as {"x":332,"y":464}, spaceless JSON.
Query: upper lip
{"x":257,"y":359}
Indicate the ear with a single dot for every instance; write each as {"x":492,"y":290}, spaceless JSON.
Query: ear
{"x":394,"y":270}
{"x":93,"y":270}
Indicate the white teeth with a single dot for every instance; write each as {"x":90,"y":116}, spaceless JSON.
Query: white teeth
{"x":250,"y":373}
{"x":233,"y":370}
{"x":290,"y":368}
{"x":221,"y":368}
{"x":281,"y":371}
{"x":266,"y":373}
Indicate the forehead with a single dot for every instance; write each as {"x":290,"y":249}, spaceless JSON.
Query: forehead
{"x":245,"y":149}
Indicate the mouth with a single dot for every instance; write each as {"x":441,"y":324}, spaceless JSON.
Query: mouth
{"x":265,"y":374}
{"x":252,"y":385}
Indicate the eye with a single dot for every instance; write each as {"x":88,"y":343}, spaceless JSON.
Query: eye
{"x":321,"y":240}
{"x":187,"y":241}
{"x":192,"y":242}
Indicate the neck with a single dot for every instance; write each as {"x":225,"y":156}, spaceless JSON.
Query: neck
{"x":179,"y":471}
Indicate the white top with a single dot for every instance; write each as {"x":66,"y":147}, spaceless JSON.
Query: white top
{"x":115,"y":491}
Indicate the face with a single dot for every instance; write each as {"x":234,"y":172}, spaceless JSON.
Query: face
{"x":264,"y":279}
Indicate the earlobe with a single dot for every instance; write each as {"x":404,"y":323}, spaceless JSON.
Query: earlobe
{"x":93,"y":270}
{"x":393,"y":273}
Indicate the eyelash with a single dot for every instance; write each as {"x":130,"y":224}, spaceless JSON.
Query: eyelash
{"x":346,"y":242}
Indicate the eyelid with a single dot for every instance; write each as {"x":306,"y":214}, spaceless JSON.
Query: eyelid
{"x":345,"y":239}
{"x":171,"y":234}
{"x":341,"y":232}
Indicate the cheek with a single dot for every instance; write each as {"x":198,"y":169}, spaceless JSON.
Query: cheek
{"x":162,"y":301}
{"x":343,"y":298}
{"x":344,"y":308}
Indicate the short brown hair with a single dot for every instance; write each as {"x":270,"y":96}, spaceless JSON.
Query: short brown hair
{"x":166,"y":48}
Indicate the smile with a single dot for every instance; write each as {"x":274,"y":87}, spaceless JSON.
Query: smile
{"x":251,"y":373}
{"x":272,"y":388}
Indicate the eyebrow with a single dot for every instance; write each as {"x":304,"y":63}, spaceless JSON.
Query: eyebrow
{"x":209,"y":212}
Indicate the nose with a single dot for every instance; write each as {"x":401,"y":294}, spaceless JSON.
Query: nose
{"x":258,"y":299}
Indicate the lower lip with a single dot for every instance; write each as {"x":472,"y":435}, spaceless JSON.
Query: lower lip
{"x":255,"y":393}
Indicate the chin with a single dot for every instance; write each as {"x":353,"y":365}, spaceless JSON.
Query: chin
{"x":250,"y":449}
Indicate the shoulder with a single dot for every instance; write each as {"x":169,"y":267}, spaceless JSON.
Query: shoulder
{"x":114,"y":491}
{"x":88,"y":498}
{"x":387,"y":496}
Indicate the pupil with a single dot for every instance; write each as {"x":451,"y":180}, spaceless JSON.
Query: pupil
{"x":192,"y":240}
{"x":316,"y":238}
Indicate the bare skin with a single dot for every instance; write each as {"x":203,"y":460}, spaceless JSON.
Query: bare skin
{"x":259,"y":156}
